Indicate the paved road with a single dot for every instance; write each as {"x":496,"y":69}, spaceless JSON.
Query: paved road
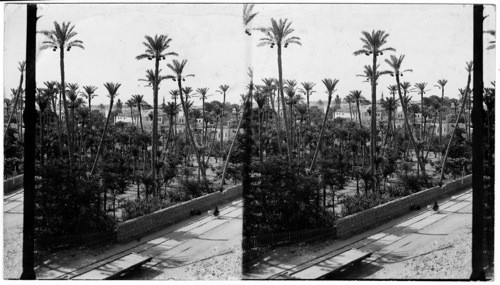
{"x":201,"y":247}
{"x":418,"y":245}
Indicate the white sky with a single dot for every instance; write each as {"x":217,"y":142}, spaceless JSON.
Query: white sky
{"x":436,"y":39}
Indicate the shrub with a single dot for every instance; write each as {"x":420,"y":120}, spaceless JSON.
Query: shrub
{"x":282,"y":198}
{"x":137,"y":208}
{"x":67,"y":202}
{"x":194,"y":189}
{"x":358,"y":203}
{"x":177,"y":195}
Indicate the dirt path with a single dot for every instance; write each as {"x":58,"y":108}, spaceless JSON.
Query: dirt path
{"x":423,"y":245}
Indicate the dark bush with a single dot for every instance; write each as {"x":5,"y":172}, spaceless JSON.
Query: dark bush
{"x":137,"y":208}
{"x":358,"y":203}
{"x":282,"y":198}
{"x":67,"y":203}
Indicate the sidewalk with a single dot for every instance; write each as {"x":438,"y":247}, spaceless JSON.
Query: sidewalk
{"x":418,"y":245}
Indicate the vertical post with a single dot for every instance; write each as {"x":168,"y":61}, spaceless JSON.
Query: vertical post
{"x":29,"y":147}
{"x":477,"y":151}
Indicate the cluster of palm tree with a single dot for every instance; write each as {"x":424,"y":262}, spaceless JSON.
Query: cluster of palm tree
{"x":284,"y":119}
{"x":420,"y":136}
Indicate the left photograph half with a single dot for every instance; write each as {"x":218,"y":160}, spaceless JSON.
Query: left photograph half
{"x":119,"y":122}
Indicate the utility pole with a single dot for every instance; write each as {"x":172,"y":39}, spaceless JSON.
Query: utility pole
{"x":477,"y":151}
{"x":29,"y":148}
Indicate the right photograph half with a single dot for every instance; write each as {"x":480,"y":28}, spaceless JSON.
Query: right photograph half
{"x":366,"y":142}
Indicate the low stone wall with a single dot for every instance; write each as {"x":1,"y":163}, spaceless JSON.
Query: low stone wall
{"x":158,"y":220}
{"x":359,"y":222}
{"x":13,"y":183}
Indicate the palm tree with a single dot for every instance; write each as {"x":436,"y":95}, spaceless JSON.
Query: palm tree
{"x":43,"y":101}
{"x":130,"y":103}
{"x":469,"y":67}
{"x":270,"y":87}
{"x":112,"y":90}
{"x":393,"y":89}
{"x":464,"y":93}
{"x":307,"y":89}
{"x":51,"y":92}
{"x":222,"y":89}
{"x":373,"y":45}
{"x":421,"y":88}
{"x":175,"y":93}
{"x":356,"y":95}
{"x":279,"y":33}
{"x":442,"y":83}
{"x":290,"y":92}
{"x":89,"y":94}
{"x":260,"y":98}
{"x":203,"y":95}
{"x":349,"y":100}
{"x":302,"y":112}
{"x":330,"y":88}
{"x":18,"y":92}
{"x":156,"y":48}
{"x":62,"y":37}
{"x":74,"y":102}
{"x":171,"y":109}
{"x":178,"y":68}
{"x":389,"y":105}
{"x":395,"y":63}
{"x":139,"y":102}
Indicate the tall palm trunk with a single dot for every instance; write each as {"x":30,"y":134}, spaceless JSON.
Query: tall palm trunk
{"x":90,"y":112}
{"x":462,"y":108}
{"x":213,"y":140}
{"x":285,"y":118}
{"x":232,"y":144}
{"x":18,"y":94}
{"x":222,"y":121}
{"x":99,"y":149}
{"x":373,"y":133}
{"x":441,"y":116}
{"x":469,"y":117}
{"x":140,"y":116}
{"x":260,"y":134}
{"x":154,"y":149}
{"x":422,"y":120}
{"x":65,"y":104}
{"x":58,"y":126}
{"x":201,"y":165}
{"x":308,"y":114}
{"x":132,"y":114}
{"x":432,"y":136}
{"x":175,"y":121}
{"x":292,"y":142}
{"x":359,"y":113}
{"x":410,"y":131}
{"x":350,"y":111}
{"x":277,"y":119}
{"x":321,"y":133}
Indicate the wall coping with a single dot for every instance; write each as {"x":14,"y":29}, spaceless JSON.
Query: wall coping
{"x":398,"y":200}
{"x":178,"y":205}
